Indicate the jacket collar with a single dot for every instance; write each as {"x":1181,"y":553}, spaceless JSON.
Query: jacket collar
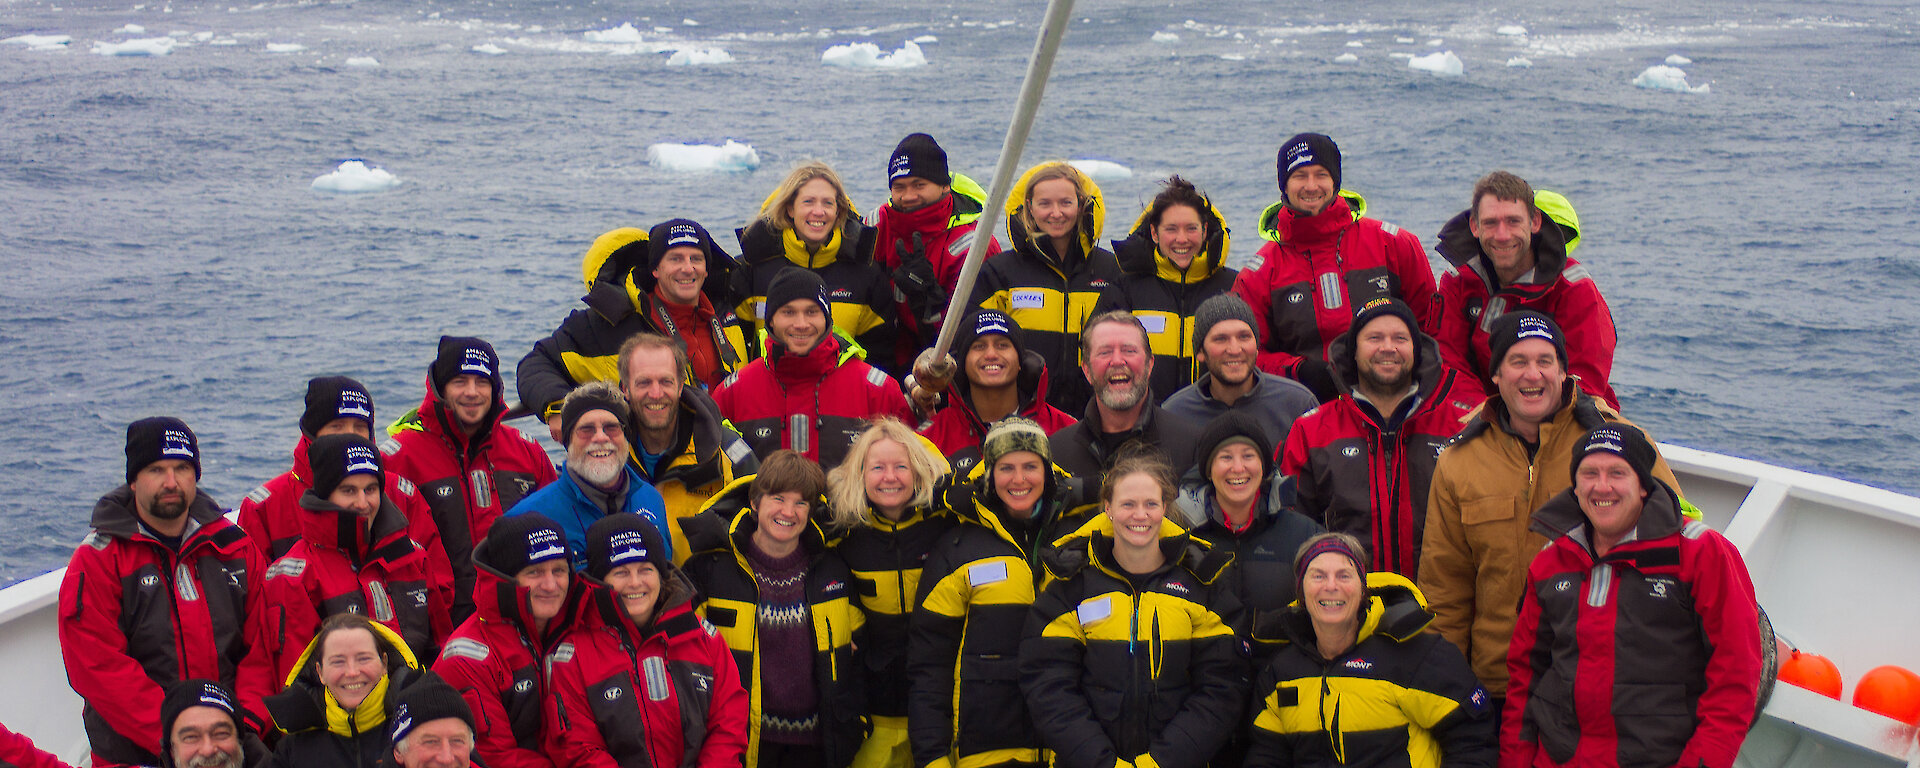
{"x":1461,"y":249}
{"x":115,"y":515}
{"x":1287,"y":226}
{"x":325,"y":525}
{"x":1561,"y":516}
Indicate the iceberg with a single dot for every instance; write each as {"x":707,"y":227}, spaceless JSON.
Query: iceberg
{"x":1444,"y":64}
{"x":40,"y":42}
{"x":1511,"y":30}
{"x":1356,"y":44}
{"x":489,"y":49}
{"x":145,"y":46}
{"x":1677,"y":60}
{"x":731,"y":157}
{"x":1403,"y":40}
{"x":1520,"y":62}
{"x":285,"y":47}
{"x":131,"y":29}
{"x":695,"y":57}
{"x":868,"y":56}
{"x":1102,"y":171}
{"x":1166,"y":38}
{"x":354,"y":177}
{"x":363,"y":62}
{"x":1664,"y":78}
{"x":1345,"y":58}
{"x":625,"y":33}
{"x":689,"y":23}
{"x":924,"y":39}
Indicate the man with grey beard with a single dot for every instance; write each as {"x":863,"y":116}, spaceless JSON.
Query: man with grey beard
{"x":199,"y":728}
{"x":1117,"y":361}
{"x":596,"y":479}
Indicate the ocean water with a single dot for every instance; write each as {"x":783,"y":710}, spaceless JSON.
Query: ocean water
{"x":164,"y":254}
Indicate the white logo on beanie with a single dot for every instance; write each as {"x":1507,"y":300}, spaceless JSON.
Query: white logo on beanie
{"x":477,"y":362}
{"x":1298,"y":155}
{"x":682,"y":234}
{"x":544,"y":544}
{"x":1608,"y":440}
{"x":991,"y":324}
{"x":627,"y":545}
{"x":902,"y":165}
{"x":1533,"y":327}
{"x":354,"y":403}
{"x":363,"y":459}
{"x":176,"y":443}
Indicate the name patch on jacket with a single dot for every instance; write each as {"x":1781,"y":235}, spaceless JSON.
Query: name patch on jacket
{"x":1094,"y":610}
{"x":986,"y":573}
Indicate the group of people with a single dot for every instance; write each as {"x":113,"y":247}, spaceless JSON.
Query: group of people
{"x":1325,"y":511}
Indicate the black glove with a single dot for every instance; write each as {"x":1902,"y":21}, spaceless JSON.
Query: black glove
{"x":956,"y":494}
{"x":916,"y":280}
{"x":1316,"y":376}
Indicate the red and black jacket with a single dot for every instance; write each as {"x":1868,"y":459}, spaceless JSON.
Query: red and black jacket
{"x":1366,"y":473}
{"x":137,"y":616}
{"x":344,"y":564}
{"x":627,"y":696}
{"x":17,"y":751}
{"x":815,"y":403}
{"x":468,"y":482}
{"x":958,"y":431}
{"x":1647,"y":655}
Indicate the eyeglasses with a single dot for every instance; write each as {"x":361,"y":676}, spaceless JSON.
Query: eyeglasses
{"x":610,"y":429}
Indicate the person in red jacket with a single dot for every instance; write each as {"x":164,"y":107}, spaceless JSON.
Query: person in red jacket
{"x":1363,"y":462}
{"x":812,"y":391}
{"x":1322,"y":261}
{"x":1504,"y":259}
{"x":1000,"y":378}
{"x":354,"y":556}
{"x":923,"y":233}
{"x":470,"y":467}
{"x":524,"y":600}
{"x":164,"y":589}
{"x":1638,"y":640}
{"x":642,"y":680}
{"x":271,"y":513}
{"x":20,"y":752}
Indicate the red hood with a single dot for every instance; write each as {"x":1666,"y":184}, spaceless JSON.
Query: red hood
{"x":804,"y":369}
{"x":497,"y":598}
{"x":302,"y":470}
{"x":324,"y":525}
{"x":674,"y":619}
{"x":1304,"y":231}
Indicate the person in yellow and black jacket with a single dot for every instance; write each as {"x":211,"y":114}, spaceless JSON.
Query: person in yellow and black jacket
{"x":1174,"y":259}
{"x":1054,"y":272}
{"x":1362,"y":683}
{"x":677,"y":439}
{"x":809,"y":222}
{"x":339,"y":700}
{"x":1130,"y":658}
{"x":976,"y":588}
{"x":884,"y":495}
{"x":784,"y":603}
{"x":672,"y":281}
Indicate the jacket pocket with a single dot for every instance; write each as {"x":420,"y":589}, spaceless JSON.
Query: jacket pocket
{"x":1655,"y":722}
{"x":1550,"y":712}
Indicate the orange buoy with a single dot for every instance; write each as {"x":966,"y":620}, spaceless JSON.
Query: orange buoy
{"x":1891,"y":691}
{"x":1813,"y":672}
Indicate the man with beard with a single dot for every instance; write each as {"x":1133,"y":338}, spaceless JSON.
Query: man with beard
{"x":679,"y":442}
{"x":1363,"y":462}
{"x":201,"y":728}
{"x":164,"y":589}
{"x":1117,"y":362}
{"x":1227,"y":348}
{"x":597,"y":480}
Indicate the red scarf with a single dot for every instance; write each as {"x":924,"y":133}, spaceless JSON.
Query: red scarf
{"x":694,"y":325}
{"x":930,"y":222}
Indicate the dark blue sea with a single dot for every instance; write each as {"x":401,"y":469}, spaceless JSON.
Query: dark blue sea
{"x":164,"y":253}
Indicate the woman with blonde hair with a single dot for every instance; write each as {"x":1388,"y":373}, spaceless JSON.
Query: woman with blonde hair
{"x":1054,"y":272}
{"x":883,"y":497}
{"x":809,"y":222}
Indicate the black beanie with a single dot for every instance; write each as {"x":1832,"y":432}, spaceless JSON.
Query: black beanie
{"x":587,"y":398}
{"x":465,"y":355}
{"x":919,"y":155}
{"x":517,"y":541}
{"x":793,"y":283}
{"x":987,"y":321}
{"x":1376,"y":309}
{"x":1232,"y":426}
{"x":334,"y":457}
{"x":1226,"y":306}
{"x":1510,"y":328}
{"x":187,"y":694}
{"x":427,"y":700}
{"x":1308,"y":149}
{"x":623,"y":538}
{"x":674,"y":233}
{"x":159,"y":438}
{"x":1621,"y":440}
{"x":335,"y":397}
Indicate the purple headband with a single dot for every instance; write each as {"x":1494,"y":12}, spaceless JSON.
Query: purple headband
{"x":1322,"y":547}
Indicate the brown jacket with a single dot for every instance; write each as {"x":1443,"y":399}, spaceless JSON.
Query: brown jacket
{"x":1475,"y":551}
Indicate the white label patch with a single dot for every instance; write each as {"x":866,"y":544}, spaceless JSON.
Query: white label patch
{"x":987,"y":573}
{"x":1094,"y":610}
{"x":1153,"y":323}
{"x":1027,"y":299}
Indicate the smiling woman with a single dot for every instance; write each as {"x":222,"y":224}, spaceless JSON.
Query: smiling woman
{"x":1174,"y":259}
{"x":335,"y":710}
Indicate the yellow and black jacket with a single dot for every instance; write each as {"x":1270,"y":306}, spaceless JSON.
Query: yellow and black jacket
{"x":1051,"y":295}
{"x":1126,"y":669}
{"x":886,"y":559}
{"x":719,"y":567}
{"x":861,"y":295}
{"x":620,"y":303}
{"x":1164,"y":296}
{"x":708,"y":454}
{"x":1401,"y":696}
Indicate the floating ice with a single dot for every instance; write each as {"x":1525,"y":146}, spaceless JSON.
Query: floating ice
{"x":1165,"y":38}
{"x":1232,"y":57}
{"x":202,"y":36}
{"x":1520,"y":62}
{"x":285,"y":47}
{"x":1356,"y":44}
{"x":1677,"y":60}
{"x":1404,"y":40}
{"x":1511,"y":30}
{"x":868,"y":56}
{"x":40,"y":42}
{"x":145,"y":46}
{"x":363,"y":62}
{"x":489,"y":49}
{"x":354,"y":177}
{"x":131,"y":29}
{"x":1436,"y":42}
{"x":1443,"y":63}
{"x":1664,"y":78}
{"x":731,"y":157}
{"x":625,"y":33}
{"x":1102,"y":170}
{"x":1345,"y":58}
{"x":689,"y":23}
{"x":924,"y":39}
{"x":696,"y":57}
